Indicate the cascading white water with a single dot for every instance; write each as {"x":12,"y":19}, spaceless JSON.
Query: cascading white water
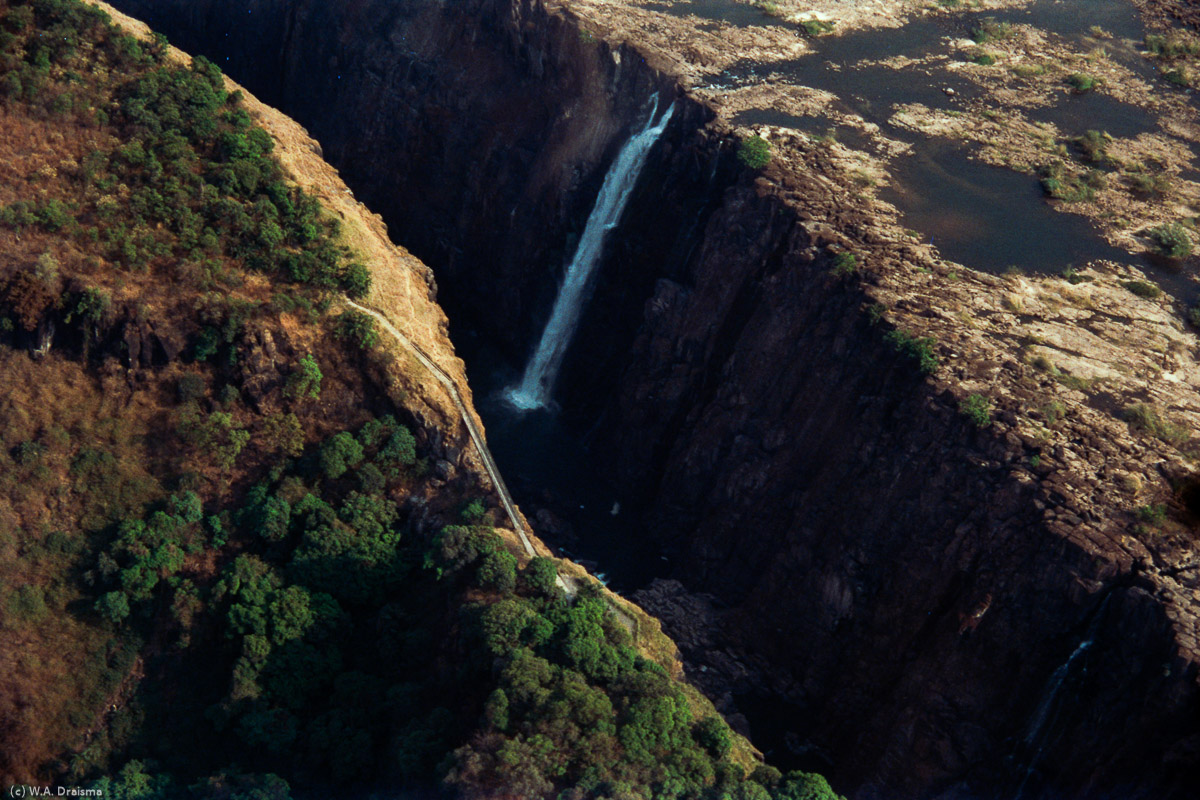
{"x":1034,"y":738}
{"x":1050,"y":694}
{"x":1041,"y":724}
{"x":536,"y":384}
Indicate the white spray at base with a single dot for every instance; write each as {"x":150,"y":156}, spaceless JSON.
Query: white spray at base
{"x":542,"y":370}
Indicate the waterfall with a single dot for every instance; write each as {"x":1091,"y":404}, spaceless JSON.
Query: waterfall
{"x":1050,"y":694}
{"x":1036,"y":735}
{"x":542,"y":370}
{"x":1042,"y":723}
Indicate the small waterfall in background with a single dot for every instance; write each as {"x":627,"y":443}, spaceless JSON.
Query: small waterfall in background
{"x":536,"y":384}
{"x":1041,"y":724}
{"x":1038,"y":733}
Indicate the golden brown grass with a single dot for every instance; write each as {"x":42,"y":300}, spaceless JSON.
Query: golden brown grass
{"x":54,"y":676}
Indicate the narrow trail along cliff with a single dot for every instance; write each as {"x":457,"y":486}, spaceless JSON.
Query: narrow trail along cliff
{"x":567,"y":584}
{"x":476,"y":434}
{"x":900,"y":485}
{"x":252,"y":538}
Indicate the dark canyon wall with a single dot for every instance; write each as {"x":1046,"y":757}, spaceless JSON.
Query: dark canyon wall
{"x":794,"y":465}
{"x":480,"y":130}
{"x":851,"y":518}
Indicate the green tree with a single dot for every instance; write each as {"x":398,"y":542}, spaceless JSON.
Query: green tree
{"x":371,"y":479}
{"x":375,"y":431}
{"x":540,"y":575}
{"x":473,"y":512}
{"x":113,"y":606}
{"x":399,"y":451}
{"x":186,"y":506}
{"x":754,"y":152}
{"x":495,"y":711}
{"x":498,"y":572}
{"x":357,"y":328}
{"x":217,"y":435}
{"x":270,"y":518}
{"x":355,"y":281}
{"x":271,"y":728}
{"x":459,"y":546}
{"x":291,"y":614}
{"x":305,"y":381}
{"x":134,"y":783}
{"x":655,"y":727}
{"x":804,"y":786}
{"x":713,"y":735}
{"x":91,"y":305}
{"x":284,"y":434}
{"x":252,"y":583}
{"x":511,"y":623}
{"x":340,"y":453}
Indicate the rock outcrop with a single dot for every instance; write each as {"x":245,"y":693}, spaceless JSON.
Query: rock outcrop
{"x":992,"y":604}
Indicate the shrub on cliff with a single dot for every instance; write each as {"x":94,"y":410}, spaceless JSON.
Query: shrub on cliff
{"x":1094,"y":146}
{"x":1061,"y":184}
{"x":1146,"y":418}
{"x":755,"y":152}
{"x":804,"y":786}
{"x":357,"y":328}
{"x":845,"y":264}
{"x":1177,"y":44}
{"x":305,"y":381}
{"x":991,"y":30}
{"x":978,"y":409}
{"x":816,"y":27}
{"x":919,"y":349}
{"x":1142,"y":289}
{"x":1081,"y":82}
{"x":1172,"y":240}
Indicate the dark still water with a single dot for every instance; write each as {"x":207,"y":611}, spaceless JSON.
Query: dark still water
{"x":989,"y":218}
{"x":553,"y":479}
{"x":985,"y":218}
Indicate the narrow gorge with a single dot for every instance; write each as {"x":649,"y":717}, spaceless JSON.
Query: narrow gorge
{"x":864,"y":578}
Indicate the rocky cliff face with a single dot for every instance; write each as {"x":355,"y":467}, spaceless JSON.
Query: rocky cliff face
{"x":488,"y":168}
{"x":948,"y":610}
{"x":402,"y":288}
{"x":859,"y":526}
